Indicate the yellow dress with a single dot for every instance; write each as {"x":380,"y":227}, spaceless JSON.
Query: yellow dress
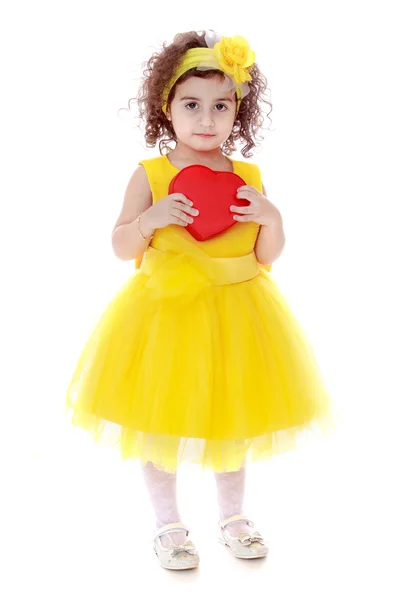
{"x":198,"y":357}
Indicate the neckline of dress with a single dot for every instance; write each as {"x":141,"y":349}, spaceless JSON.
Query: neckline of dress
{"x":178,"y":170}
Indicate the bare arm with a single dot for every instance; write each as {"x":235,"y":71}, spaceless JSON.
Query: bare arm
{"x":127,"y":242}
{"x":174,"y":209}
{"x":270,"y":241}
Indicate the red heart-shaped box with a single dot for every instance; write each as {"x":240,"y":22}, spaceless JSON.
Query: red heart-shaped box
{"x":212,"y":193}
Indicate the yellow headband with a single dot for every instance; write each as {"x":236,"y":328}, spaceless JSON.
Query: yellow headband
{"x":232,"y":56}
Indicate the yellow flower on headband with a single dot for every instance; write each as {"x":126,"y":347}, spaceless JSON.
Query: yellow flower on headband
{"x":232,"y":56}
{"x":236,"y":57}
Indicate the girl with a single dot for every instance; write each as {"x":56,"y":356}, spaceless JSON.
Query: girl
{"x":198,"y":357}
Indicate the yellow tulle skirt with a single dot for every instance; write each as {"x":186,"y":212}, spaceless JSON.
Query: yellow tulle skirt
{"x":178,"y":369}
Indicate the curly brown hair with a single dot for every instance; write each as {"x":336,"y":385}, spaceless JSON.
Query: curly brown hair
{"x":158,"y":71}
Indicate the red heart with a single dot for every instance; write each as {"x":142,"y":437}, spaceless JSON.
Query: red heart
{"x":212,"y":193}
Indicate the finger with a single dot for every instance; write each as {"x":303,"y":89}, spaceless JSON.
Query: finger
{"x":247,"y":195}
{"x":187,"y":209}
{"x":176,"y":221}
{"x":248,"y":188}
{"x":244,"y":210}
{"x":179,"y":214}
{"x":244,"y":217}
{"x":181,"y":198}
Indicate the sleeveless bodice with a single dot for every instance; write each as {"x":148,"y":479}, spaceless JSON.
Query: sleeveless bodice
{"x":238,"y":240}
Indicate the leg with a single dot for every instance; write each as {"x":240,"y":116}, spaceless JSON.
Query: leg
{"x":161,"y":487}
{"x":230,"y":491}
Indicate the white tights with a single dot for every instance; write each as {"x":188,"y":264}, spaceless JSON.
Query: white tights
{"x":161,"y":487}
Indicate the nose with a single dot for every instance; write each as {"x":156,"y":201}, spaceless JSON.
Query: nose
{"x":206,"y":119}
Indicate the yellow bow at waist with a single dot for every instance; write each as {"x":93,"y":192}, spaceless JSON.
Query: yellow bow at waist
{"x":183,"y":269}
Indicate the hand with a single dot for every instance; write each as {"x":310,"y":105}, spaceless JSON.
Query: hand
{"x":173,"y":209}
{"x":260,"y":210}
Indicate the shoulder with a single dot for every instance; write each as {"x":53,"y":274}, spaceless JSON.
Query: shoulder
{"x":250,"y":172}
{"x":138,"y":182}
{"x":247,"y":167}
{"x":154,"y":168}
{"x":150,"y":163}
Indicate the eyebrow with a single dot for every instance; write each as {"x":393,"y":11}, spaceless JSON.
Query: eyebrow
{"x":198,"y":99}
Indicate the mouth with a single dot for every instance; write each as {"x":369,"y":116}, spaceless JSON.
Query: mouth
{"x":205,"y":135}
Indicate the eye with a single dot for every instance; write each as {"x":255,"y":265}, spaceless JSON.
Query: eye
{"x":220,"y":107}
{"x":191,"y":105}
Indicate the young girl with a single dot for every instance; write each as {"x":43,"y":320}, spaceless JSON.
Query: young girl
{"x":198,"y":357}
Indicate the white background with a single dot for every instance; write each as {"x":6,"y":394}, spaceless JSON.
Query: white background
{"x":76,"y":521}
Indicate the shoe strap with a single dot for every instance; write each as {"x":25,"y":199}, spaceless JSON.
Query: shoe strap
{"x":234,"y":519}
{"x":171,"y":528}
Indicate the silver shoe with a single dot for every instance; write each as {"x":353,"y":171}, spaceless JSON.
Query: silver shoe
{"x":176,"y":557}
{"x":244,"y":545}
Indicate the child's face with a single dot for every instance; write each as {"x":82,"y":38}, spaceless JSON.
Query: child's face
{"x":201,"y":107}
